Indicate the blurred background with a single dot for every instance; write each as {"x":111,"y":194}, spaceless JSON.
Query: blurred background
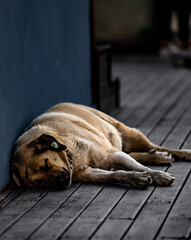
{"x":127,"y":25}
{"x":138,"y":27}
{"x":135,"y":34}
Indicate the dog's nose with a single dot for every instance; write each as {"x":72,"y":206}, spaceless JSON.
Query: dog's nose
{"x":63,"y":180}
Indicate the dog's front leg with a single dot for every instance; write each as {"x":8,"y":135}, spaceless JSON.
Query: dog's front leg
{"x":137,"y":179}
{"x":121,"y":160}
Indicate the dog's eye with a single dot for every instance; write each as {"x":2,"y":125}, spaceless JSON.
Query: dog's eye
{"x":54,"y":144}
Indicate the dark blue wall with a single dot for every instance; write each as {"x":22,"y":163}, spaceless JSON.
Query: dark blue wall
{"x":44,"y":59}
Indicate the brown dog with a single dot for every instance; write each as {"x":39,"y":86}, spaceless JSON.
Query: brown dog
{"x":74,"y":142}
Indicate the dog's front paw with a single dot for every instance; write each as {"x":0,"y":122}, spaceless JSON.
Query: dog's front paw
{"x":141,"y":179}
{"x":161,"y":178}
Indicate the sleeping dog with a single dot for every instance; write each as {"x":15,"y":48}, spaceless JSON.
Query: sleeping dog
{"x":72,"y":142}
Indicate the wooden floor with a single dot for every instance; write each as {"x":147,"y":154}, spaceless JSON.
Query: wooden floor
{"x":155,"y":98}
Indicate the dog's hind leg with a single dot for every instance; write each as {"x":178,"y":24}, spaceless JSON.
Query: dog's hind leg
{"x":121,"y":160}
{"x":152,"y":157}
{"x":96,"y":175}
{"x":179,"y":155}
{"x":135,"y":141}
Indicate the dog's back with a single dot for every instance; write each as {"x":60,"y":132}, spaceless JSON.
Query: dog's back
{"x":69,"y":118}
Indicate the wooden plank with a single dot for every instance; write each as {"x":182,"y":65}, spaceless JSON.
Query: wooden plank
{"x":8,"y":193}
{"x":148,"y":92}
{"x":17,"y":208}
{"x":125,"y":211}
{"x":4,"y":192}
{"x":131,"y":203}
{"x":151,"y":104}
{"x":180,"y":132}
{"x":140,"y":87}
{"x":160,"y":202}
{"x":146,"y":84}
{"x":171,"y":118}
{"x":38,"y":213}
{"x":170,"y":103}
{"x":112,"y":229}
{"x":145,"y":87}
{"x":123,"y":214}
{"x":161,"y":107}
{"x":66,"y":214}
{"x":178,"y":223}
{"x":127,"y":110}
{"x":11,"y":197}
{"x":129,"y":77}
{"x":158,"y":205}
{"x":187,"y":142}
{"x":95,"y":213}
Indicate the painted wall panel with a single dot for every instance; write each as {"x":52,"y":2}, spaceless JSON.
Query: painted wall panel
{"x":44,"y":59}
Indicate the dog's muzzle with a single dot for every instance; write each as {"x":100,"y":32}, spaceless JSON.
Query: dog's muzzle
{"x":63,"y":180}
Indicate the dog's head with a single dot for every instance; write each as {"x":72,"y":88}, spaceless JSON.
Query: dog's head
{"x":42,"y":162}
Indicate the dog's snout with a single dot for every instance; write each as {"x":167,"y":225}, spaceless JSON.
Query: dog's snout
{"x":63,"y":179}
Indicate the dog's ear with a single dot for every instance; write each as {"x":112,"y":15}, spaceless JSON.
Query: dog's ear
{"x":16,"y":176}
{"x":45,"y":142}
